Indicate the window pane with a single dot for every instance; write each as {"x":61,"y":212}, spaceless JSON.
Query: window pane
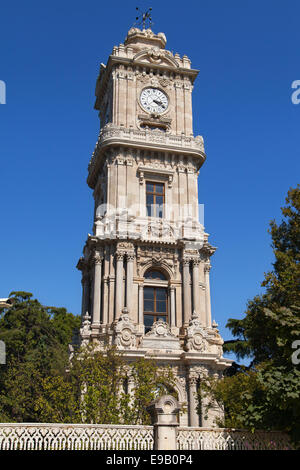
{"x":149,"y":211}
{"x":149,"y":199}
{"x":149,"y":187}
{"x":148,"y":320}
{"x":149,"y":293}
{"x":148,"y":306}
{"x":164,"y":318}
{"x":159,"y":188}
{"x":161,"y":306}
{"x":159,"y":200}
{"x":155,"y":275}
{"x":159,"y":211}
{"x":161,"y":294}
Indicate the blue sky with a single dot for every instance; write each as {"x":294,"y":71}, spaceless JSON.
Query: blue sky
{"x":248,"y":56}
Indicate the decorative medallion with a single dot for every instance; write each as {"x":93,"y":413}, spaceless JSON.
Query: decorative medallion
{"x":125,"y":331}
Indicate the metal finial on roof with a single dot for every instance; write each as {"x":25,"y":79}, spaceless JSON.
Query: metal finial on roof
{"x":144,"y":17}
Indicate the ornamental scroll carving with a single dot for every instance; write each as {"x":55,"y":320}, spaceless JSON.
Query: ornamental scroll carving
{"x":125,"y":337}
{"x":195,"y":338}
{"x":202,"y":339}
{"x":160,"y":337}
{"x":160,"y":329}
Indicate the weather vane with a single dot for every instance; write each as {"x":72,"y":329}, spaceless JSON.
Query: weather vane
{"x":144,"y":17}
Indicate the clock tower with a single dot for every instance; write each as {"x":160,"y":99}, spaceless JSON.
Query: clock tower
{"x":145,"y":269}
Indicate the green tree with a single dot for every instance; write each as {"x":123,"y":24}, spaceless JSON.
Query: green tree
{"x":272,"y":320}
{"x":36,"y":339}
{"x":266,"y":394}
{"x":95,"y":389}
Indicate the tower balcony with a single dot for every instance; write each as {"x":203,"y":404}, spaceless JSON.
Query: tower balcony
{"x":145,"y":139}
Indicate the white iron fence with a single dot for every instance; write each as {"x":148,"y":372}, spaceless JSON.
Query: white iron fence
{"x":230,"y":439}
{"x":75,"y":437}
{"x":15,"y":436}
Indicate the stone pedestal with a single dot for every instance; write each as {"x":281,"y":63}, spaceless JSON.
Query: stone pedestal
{"x":164,"y":415}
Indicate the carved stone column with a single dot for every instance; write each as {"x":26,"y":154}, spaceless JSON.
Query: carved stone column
{"x":193,"y":415}
{"x":85,"y":294}
{"x":119,"y":285}
{"x":105,"y":278}
{"x":105,"y":300}
{"x":207,"y":295}
{"x":196,"y":307}
{"x":186,"y":292}
{"x":97,"y":290}
{"x":172,"y":309}
{"x":141,"y":304}
{"x":129,"y":282}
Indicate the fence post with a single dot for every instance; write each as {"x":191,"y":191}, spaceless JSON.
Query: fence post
{"x":164,"y":416}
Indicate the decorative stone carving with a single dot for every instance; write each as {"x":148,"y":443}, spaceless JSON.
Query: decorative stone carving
{"x":159,"y":256}
{"x":160,"y":329}
{"x":156,"y":56}
{"x":97,"y":258}
{"x":160,"y":337}
{"x":195,"y":338}
{"x":85,"y":330}
{"x":125,"y":337}
{"x":192,"y":380}
{"x":202,"y":339}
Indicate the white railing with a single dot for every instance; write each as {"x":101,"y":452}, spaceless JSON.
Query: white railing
{"x":230,"y":439}
{"x":75,"y":437}
{"x":36,"y":436}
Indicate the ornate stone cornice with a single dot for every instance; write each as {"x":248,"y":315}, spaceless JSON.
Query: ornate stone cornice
{"x":157,"y":171}
{"x":207,"y":249}
{"x":126,"y":248}
{"x":112,"y":135}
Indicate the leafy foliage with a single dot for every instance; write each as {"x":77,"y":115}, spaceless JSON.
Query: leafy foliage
{"x":272,"y":320}
{"x":36,"y":339}
{"x":40,"y":384}
{"x":95,"y":390}
{"x":266,"y":395}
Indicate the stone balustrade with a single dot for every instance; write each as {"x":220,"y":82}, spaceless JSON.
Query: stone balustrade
{"x":112,"y":134}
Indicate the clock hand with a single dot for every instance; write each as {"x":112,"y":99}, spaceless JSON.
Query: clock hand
{"x":159,"y":103}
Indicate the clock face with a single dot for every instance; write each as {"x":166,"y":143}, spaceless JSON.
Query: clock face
{"x":154,"y":100}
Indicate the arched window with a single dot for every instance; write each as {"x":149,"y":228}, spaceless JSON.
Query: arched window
{"x":155,"y":305}
{"x":155,"y":298}
{"x":155,"y":275}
